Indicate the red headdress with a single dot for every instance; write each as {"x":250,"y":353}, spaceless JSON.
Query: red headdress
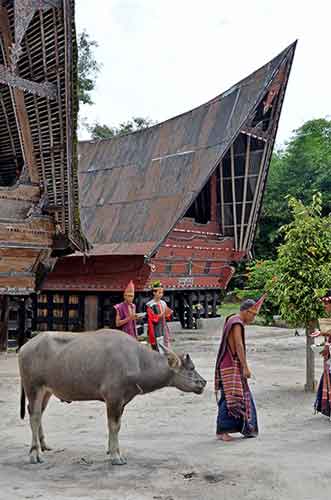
{"x":258,"y":304}
{"x":130,"y":287}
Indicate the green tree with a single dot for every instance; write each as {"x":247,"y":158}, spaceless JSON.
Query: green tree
{"x":302,"y":272}
{"x":99,"y":131}
{"x":258,"y":274}
{"x":88,"y":67}
{"x":301,"y":169}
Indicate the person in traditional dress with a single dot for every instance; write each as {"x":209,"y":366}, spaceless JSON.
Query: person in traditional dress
{"x":157,"y":315}
{"x":126,"y":312}
{"x":323,"y":397}
{"x":236,"y":408}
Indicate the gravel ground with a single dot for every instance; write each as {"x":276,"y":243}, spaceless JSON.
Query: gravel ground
{"x":169,"y":437}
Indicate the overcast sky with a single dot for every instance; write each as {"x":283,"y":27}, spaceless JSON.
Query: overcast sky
{"x":164,"y":57}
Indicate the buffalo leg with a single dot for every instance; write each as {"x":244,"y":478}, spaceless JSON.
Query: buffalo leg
{"x":114,"y":414}
{"x":42,"y":440}
{"x":35,"y":408}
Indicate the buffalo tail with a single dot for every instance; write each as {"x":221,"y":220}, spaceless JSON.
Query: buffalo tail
{"x":22,"y":403}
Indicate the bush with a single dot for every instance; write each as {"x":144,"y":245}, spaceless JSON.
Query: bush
{"x":258,"y":273}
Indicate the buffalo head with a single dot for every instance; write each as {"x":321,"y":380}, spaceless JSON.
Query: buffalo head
{"x":184,"y":375}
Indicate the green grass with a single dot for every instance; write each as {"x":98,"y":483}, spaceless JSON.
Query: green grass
{"x":226,"y":309}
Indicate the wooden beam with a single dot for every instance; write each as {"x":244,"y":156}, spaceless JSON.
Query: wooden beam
{"x":213,"y":198}
{"x":261,"y":181}
{"x":247,"y":159}
{"x":62,"y":127}
{"x":40,"y":139}
{"x":10,"y":135}
{"x":222,"y":198}
{"x":50,"y":124}
{"x":70,"y":125}
{"x":234,"y":205}
{"x":24,"y":11}
{"x":273,"y":124}
{"x":255,"y":197}
{"x":45,"y":89}
{"x":17,"y":95}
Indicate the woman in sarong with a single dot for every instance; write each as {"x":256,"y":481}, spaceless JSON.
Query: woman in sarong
{"x":236,"y":408}
{"x":323,"y":396}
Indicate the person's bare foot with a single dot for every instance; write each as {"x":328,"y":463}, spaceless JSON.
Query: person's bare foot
{"x":225,"y":437}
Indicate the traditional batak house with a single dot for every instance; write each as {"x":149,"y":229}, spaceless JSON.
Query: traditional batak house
{"x":38,"y":167}
{"x":177,"y":202}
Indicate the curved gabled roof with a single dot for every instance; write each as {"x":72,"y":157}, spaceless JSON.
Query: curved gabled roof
{"x":135,"y":187}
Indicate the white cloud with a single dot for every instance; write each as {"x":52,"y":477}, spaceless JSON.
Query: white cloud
{"x":163,"y":57}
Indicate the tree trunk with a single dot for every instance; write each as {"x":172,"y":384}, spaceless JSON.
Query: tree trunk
{"x":4,"y":310}
{"x":310,"y":359}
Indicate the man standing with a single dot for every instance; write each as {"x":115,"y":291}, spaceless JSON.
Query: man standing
{"x":126,"y":312}
{"x":157,"y":315}
{"x":236,"y":408}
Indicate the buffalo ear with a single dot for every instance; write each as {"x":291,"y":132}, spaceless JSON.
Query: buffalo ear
{"x":188,"y":363}
{"x":174,"y":361}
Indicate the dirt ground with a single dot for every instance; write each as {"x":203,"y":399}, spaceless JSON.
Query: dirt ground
{"x":169,"y":437}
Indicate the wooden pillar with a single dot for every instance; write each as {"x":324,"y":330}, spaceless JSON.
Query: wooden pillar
{"x":310,"y":360}
{"x":101,"y":313}
{"x":21,"y":313}
{"x":4,"y":310}
{"x":91,"y":312}
{"x":34,"y":322}
{"x":234,"y":203}
{"x":213,"y":198}
{"x":66,"y":312}
{"x":50,"y":311}
{"x":190,"y":312}
{"x":206,"y":305}
{"x":247,"y":161}
{"x":214,"y":309}
{"x":81,"y":312}
{"x":222,"y":199}
{"x":181,"y":308}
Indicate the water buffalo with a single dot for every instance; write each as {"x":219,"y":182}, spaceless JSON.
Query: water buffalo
{"x":106,"y":365}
